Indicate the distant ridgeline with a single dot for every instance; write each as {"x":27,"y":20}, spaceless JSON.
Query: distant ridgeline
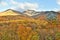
{"x":50,"y":15}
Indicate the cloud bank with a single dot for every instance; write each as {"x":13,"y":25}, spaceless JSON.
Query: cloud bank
{"x":20,"y":5}
{"x":58,"y":2}
{"x":3,"y":3}
{"x":25,"y":5}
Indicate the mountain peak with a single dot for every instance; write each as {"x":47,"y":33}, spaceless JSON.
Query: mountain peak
{"x":9,"y":12}
{"x":31,"y":12}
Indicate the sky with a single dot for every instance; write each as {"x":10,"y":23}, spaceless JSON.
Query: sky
{"x":37,"y":5}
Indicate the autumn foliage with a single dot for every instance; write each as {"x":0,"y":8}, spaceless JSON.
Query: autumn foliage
{"x":22,"y":28}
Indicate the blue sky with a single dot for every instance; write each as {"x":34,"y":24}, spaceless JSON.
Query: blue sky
{"x":38,"y":5}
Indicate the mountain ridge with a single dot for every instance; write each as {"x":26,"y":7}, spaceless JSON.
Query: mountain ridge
{"x":31,"y":13}
{"x":10,"y":12}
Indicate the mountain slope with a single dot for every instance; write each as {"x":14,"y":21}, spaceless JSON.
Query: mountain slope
{"x":31,"y":13}
{"x":13,"y":15}
{"x":9,"y":12}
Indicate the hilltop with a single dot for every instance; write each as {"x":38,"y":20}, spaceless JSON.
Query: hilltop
{"x":9,"y":12}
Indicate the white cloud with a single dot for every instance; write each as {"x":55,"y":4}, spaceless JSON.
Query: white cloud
{"x":56,"y":9}
{"x":3,"y":3}
{"x":21,"y":5}
{"x":13,"y":2}
{"x":58,"y":2}
{"x":25,"y":5}
{"x":13,"y":7}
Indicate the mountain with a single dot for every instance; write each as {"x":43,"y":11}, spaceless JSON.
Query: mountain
{"x":31,"y":13}
{"x":9,"y":12}
{"x":29,"y":24}
{"x":47,"y":15}
{"x":13,"y":15}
